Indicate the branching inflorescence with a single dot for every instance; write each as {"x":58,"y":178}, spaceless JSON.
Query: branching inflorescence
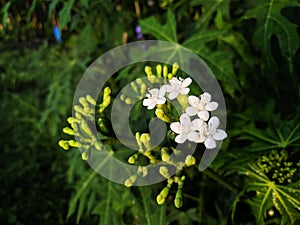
{"x":188,"y":117}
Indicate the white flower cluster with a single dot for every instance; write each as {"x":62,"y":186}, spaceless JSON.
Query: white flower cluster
{"x":195,"y":123}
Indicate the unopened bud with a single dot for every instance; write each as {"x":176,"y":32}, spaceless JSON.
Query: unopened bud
{"x":98,"y":146}
{"x":130,"y":181}
{"x":64,"y":144}
{"x":190,"y":160}
{"x":161,"y":115}
{"x":148,"y":70}
{"x":84,"y":126}
{"x":158,"y":70}
{"x":175,"y":67}
{"x":68,"y":130}
{"x":165,"y":71}
{"x":74,"y":144}
{"x":85,"y":155}
{"x":178,"y":198}
{"x":164,"y":171}
{"x":142,"y":171}
{"x":143,"y":88}
{"x":91,"y":100}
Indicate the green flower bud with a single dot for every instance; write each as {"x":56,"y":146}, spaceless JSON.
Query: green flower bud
{"x":85,"y":155}
{"x":158,"y":70}
{"x":164,"y":155}
{"x":98,"y":146}
{"x":190,"y":160}
{"x":175,"y":67}
{"x":85,"y":127}
{"x":148,"y":70}
{"x":170,"y":76}
{"x":178,"y":198}
{"x":160,"y":200}
{"x":165,"y":71}
{"x":107,"y":92}
{"x":78,"y":115}
{"x":161,"y":115}
{"x":132,"y":159}
{"x":79,"y":109}
{"x":164,"y":193}
{"x":68,"y":131}
{"x":134,"y":87}
{"x":91,"y":100}
{"x":128,"y":101}
{"x":164,"y":171}
{"x":74,"y":144}
{"x":64,"y":144}
{"x":143,"y":88}
{"x":105,"y":126}
{"x":83,"y":102}
{"x":142,"y":171}
{"x":130,"y":181}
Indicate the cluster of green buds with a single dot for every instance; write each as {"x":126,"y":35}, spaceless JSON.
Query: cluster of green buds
{"x":139,"y":86}
{"x":161,"y":197}
{"x":80,"y":125}
{"x":277,"y":167}
{"x":165,"y":156}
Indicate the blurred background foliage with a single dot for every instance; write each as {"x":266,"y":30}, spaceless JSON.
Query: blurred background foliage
{"x":252,"y":47}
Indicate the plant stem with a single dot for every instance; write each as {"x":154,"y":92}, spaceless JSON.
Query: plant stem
{"x":212,"y":174}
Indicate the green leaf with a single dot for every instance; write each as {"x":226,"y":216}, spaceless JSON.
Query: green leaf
{"x":270,"y":22}
{"x":165,"y":32}
{"x":65,"y":13}
{"x":208,"y":8}
{"x":268,"y":194}
{"x":85,"y":3}
{"x":52,"y":6}
{"x":153,"y":214}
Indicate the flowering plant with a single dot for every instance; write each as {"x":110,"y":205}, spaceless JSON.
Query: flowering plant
{"x":166,"y":94}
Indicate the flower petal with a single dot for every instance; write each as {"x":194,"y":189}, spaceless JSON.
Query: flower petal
{"x":151,"y":105}
{"x":210,"y":143}
{"x":193,"y":136}
{"x":147,"y":102}
{"x":203,"y":114}
{"x":161,"y":100}
{"x":173,"y":95}
{"x":180,"y":138}
{"x":176,"y":127}
{"x":206,"y":97}
{"x":193,"y":100}
{"x":211,"y":106}
{"x":196,"y":124}
{"x":201,"y":138}
{"x":213,"y":123}
{"x":184,"y":91}
{"x":154,"y":91}
{"x":185,"y":120}
{"x":191,"y":111}
{"x":186,"y":82}
{"x":220,"y":135}
{"x":162,"y":91}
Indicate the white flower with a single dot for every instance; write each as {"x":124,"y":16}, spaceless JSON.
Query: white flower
{"x":201,"y":106}
{"x":178,"y":86}
{"x":211,"y":133}
{"x":186,"y":128}
{"x":156,"y":96}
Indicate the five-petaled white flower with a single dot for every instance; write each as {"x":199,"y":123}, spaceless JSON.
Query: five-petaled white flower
{"x":178,"y":86}
{"x":186,"y":129}
{"x":155,"y":96}
{"x":201,"y":106}
{"x":211,"y":133}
